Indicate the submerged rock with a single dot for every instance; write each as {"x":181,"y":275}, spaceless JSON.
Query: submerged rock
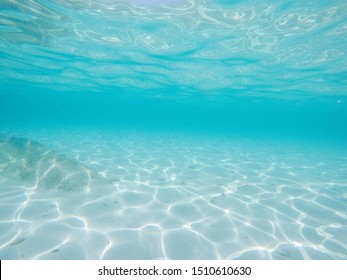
{"x":36,"y":164}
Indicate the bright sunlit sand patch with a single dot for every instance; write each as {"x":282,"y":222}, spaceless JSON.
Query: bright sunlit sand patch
{"x":177,"y":198}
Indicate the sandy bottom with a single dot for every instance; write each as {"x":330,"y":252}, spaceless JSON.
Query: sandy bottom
{"x":173,"y":197}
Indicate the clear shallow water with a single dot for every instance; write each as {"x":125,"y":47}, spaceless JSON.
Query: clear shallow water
{"x":180,"y":197}
{"x":173,"y":130}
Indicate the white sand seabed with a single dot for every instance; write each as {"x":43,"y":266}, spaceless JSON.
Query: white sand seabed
{"x":180,"y":198}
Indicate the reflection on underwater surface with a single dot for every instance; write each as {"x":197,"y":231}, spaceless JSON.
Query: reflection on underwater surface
{"x":283,"y":49}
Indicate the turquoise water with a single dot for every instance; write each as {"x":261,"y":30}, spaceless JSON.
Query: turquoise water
{"x":177,"y":129}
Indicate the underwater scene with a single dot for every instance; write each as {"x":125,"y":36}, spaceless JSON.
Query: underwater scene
{"x":173,"y":129}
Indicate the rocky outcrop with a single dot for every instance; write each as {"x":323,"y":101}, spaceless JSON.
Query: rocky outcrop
{"x":36,"y":164}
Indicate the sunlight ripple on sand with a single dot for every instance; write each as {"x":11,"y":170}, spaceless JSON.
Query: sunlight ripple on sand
{"x":169,"y":198}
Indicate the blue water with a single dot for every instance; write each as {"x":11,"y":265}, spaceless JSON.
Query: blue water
{"x":273,"y":67}
{"x":105,"y":81}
